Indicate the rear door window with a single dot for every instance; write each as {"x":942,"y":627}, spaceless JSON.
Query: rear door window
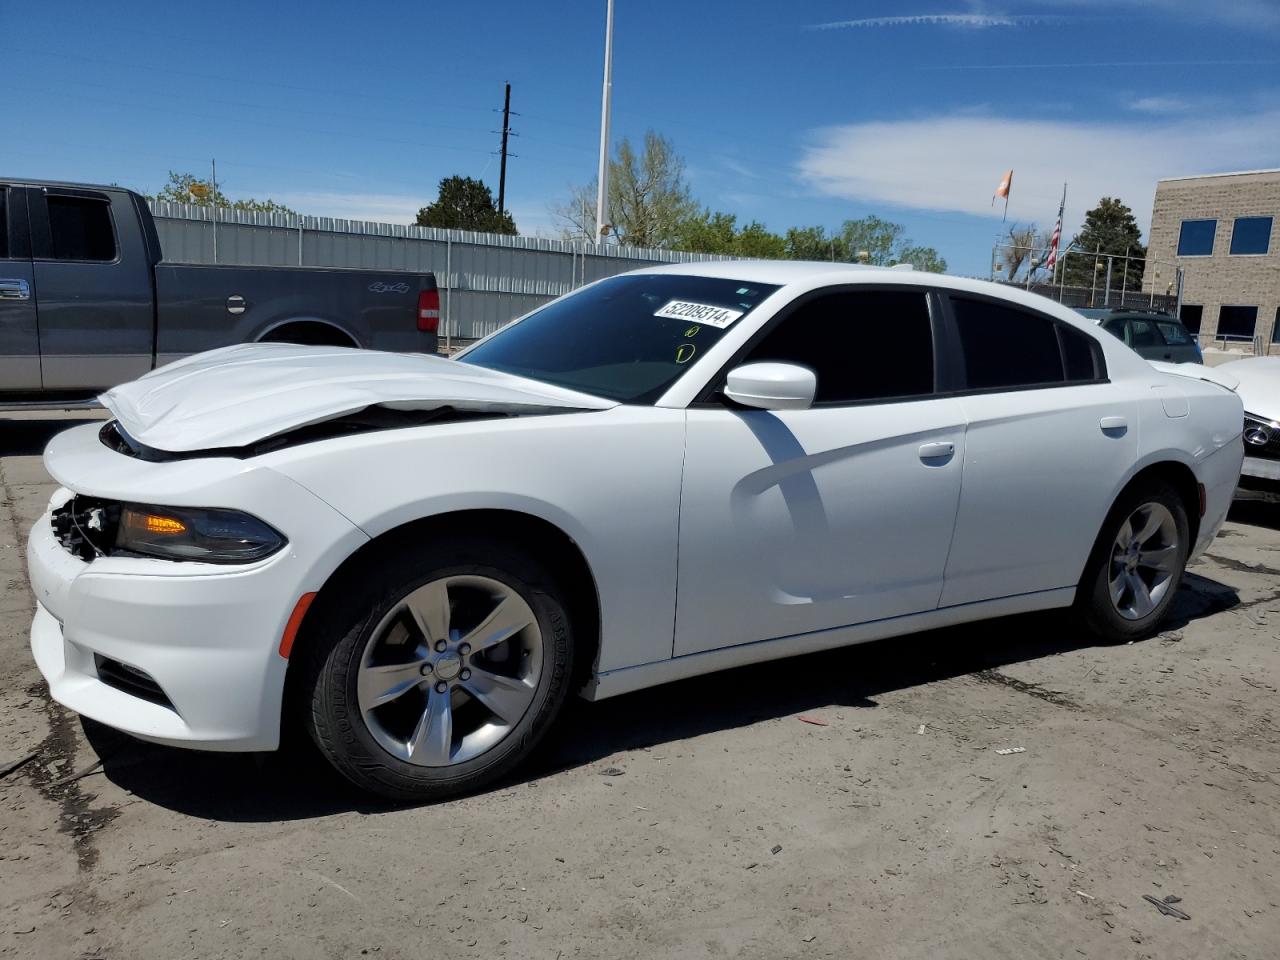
{"x":1080,"y":356}
{"x":1144,"y":334}
{"x":1115,"y":328}
{"x":80,"y":228}
{"x":1006,"y":347}
{"x":833,"y":335}
{"x":1173,"y":333}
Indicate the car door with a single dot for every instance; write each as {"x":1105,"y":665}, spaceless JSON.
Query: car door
{"x":801,"y":520}
{"x":19,"y":334}
{"x":1048,"y":442}
{"x":93,"y":276}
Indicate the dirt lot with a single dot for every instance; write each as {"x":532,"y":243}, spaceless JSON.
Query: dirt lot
{"x":890,"y":828}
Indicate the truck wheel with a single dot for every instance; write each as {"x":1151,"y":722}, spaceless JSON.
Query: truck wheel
{"x":440,"y":671}
{"x":1137,"y":564}
{"x":308,"y":335}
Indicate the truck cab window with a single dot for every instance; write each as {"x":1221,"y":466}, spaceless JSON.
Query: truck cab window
{"x":80,"y":229}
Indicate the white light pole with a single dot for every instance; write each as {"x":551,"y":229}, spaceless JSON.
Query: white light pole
{"x":602,"y":178}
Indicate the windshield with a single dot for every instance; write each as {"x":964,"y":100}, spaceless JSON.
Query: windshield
{"x":627,"y":338}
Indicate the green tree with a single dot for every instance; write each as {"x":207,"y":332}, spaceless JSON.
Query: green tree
{"x":872,"y":240}
{"x":188,"y":188}
{"x":813,"y":243}
{"x":649,"y":201}
{"x":754,"y":240}
{"x":465,"y":204}
{"x":707,"y":232}
{"x":1109,"y":228}
{"x":923,"y":258}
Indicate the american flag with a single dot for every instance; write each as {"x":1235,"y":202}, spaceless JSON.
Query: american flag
{"x":1052,"y":258}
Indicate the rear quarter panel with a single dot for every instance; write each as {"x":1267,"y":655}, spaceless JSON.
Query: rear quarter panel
{"x":375,"y":309}
{"x":1205,"y":436}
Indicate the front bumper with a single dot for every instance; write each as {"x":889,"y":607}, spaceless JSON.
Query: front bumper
{"x":1260,"y":468}
{"x":208,"y":636}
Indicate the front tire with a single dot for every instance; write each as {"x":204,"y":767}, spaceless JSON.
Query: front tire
{"x":440,"y":670}
{"x":1137,"y":564}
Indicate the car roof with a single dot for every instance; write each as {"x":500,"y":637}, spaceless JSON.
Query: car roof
{"x":808,"y":274}
{"x":25,"y":182}
{"x":1106,"y":313}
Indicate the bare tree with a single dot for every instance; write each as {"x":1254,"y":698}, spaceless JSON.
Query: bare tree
{"x":1019,"y":247}
{"x":649,"y":200}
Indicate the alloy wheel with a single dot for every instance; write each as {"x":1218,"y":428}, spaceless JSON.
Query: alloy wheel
{"x":1144,"y":560}
{"x":450,"y":670}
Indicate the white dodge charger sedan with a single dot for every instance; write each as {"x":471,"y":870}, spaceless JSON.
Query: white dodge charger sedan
{"x":665,"y":473}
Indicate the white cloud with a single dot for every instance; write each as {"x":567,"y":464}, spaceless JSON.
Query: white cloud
{"x":1251,"y":14}
{"x":380,"y":207}
{"x":973,"y":21}
{"x":954,"y":162}
{"x":1160,"y":105}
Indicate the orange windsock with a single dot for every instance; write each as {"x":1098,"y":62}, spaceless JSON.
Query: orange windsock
{"x":1005,"y":183}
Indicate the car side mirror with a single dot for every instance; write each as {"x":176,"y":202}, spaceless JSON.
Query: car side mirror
{"x":772,"y":386}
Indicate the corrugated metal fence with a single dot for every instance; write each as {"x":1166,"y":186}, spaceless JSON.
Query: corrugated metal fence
{"x":485,"y":279}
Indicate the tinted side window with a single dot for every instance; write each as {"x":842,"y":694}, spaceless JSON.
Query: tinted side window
{"x":1115,"y":328}
{"x":80,"y":229}
{"x":1080,"y":355}
{"x":4,"y":223}
{"x":1006,"y":347}
{"x":836,"y":335}
{"x":1173,"y":333}
{"x":1144,"y":334}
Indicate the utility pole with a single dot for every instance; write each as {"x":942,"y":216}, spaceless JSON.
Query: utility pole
{"x":213,"y":189}
{"x":506,"y":132}
{"x":602,"y":178}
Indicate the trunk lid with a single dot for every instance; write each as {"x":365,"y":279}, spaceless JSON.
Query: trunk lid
{"x":242,"y":394}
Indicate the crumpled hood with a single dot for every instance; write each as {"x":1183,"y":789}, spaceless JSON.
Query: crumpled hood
{"x":1259,"y":384}
{"x":239,"y":395}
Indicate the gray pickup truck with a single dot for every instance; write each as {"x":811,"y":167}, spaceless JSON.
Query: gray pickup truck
{"x":86,"y":301}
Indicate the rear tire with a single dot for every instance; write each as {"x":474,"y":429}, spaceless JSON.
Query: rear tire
{"x":439,"y":670}
{"x":1137,"y":564}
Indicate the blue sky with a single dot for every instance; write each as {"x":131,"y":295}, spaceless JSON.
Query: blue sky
{"x":790,"y":113}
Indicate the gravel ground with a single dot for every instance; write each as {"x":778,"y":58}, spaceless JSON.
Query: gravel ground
{"x":837,"y":805}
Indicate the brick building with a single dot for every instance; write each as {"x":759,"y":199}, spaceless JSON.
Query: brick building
{"x":1223,"y":230}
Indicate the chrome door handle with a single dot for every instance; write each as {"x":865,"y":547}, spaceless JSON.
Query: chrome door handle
{"x":1113,"y":424}
{"x":15,"y":290}
{"x":937,"y":451}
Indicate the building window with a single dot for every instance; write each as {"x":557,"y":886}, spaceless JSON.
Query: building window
{"x":1275,"y":328}
{"x":1251,"y":235}
{"x":1191,"y":315}
{"x":1237,"y":323}
{"x":1196,"y":238}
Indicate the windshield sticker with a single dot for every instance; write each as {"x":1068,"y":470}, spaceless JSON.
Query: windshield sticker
{"x":685,"y":352}
{"x":691,"y":332}
{"x":719,"y":317}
